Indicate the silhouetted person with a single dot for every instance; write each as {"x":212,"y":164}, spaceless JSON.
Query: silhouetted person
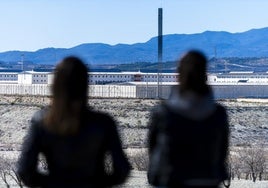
{"x":73,"y":138}
{"x":195,"y":130}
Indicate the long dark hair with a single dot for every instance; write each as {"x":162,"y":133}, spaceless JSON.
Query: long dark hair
{"x":70,"y":94}
{"x":192,"y":73}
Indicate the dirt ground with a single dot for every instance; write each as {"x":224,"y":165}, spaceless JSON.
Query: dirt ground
{"x":248,"y":125}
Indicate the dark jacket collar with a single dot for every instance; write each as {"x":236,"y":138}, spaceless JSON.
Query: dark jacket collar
{"x":191,"y":105}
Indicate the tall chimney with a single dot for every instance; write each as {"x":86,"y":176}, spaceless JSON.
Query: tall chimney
{"x":160,"y":51}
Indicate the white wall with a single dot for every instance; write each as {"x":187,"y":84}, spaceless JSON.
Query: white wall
{"x":50,"y":78}
{"x":25,"y":78}
{"x":22,"y":89}
{"x":112,"y":91}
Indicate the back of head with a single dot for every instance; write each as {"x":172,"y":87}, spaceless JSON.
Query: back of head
{"x":192,"y":73}
{"x":71,"y":80}
{"x":70,"y":91}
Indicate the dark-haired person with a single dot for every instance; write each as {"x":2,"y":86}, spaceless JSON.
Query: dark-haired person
{"x":195,"y":130}
{"x":72,"y":137}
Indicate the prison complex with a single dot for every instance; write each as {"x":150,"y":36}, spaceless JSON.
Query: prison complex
{"x":137,"y":84}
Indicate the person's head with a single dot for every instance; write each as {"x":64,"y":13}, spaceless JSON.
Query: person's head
{"x":70,"y":80}
{"x":70,"y":93}
{"x":192,"y":73}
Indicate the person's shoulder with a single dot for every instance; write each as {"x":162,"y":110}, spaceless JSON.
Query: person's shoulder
{"x":160,"y":112}
{"x":220,"y":108}
{"x":102,"y":120}
{"x":221,"y":114}
{"x":159,"y":108}
{"x":37,"y":121}
{"x":99,"y":116}
{"x":38,"y":116}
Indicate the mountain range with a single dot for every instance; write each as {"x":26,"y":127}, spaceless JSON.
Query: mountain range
{"x":217,"y":44}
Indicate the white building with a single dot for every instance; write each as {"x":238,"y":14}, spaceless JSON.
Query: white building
{"x":102,"y":78}
{"x":32,"y":77}
{"x":137,"y":84}
{"x":9,"y":77}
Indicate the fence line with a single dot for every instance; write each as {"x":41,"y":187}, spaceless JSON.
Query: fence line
{"x":139,"y":91}
{"x":106,"y":91}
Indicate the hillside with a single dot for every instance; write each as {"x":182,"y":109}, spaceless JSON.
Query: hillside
{"x":214,"y":65}
{"x":248,"y":125}
{"x":219,"y":44}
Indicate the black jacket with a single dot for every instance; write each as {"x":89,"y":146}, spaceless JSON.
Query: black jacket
{"x":73,"y":161}
{"x":197,"y":144}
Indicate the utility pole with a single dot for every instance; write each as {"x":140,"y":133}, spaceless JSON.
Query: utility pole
{"x":22,"y":61}
{"x":160,"y":52}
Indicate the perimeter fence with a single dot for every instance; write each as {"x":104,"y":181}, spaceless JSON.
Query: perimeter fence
{"x":139,"y":91}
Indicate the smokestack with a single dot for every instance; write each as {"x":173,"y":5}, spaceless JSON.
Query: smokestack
{"x":160,"y":34}
{"x":160,"y":51}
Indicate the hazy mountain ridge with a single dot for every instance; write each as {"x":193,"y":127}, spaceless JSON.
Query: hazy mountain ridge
{"x":219,"y":44}
{"x":214,"y":65}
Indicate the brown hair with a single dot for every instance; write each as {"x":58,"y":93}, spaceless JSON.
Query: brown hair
{"x":192,"y":73}
{"x":70,"y":92}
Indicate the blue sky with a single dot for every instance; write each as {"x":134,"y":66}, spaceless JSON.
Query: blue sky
{"x":34,"y":24}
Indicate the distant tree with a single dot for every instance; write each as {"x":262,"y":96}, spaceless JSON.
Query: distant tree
{"x":254,"y":161}
{"x":262,"y":159}
{"x":42,"y":164}
{"x":140,"y":160}
{"x":235,"y":165}
{"x":4,"y":171}
{"x":108,"y":163}
{"x":14,"y":175}
{"x":8,"y":169}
